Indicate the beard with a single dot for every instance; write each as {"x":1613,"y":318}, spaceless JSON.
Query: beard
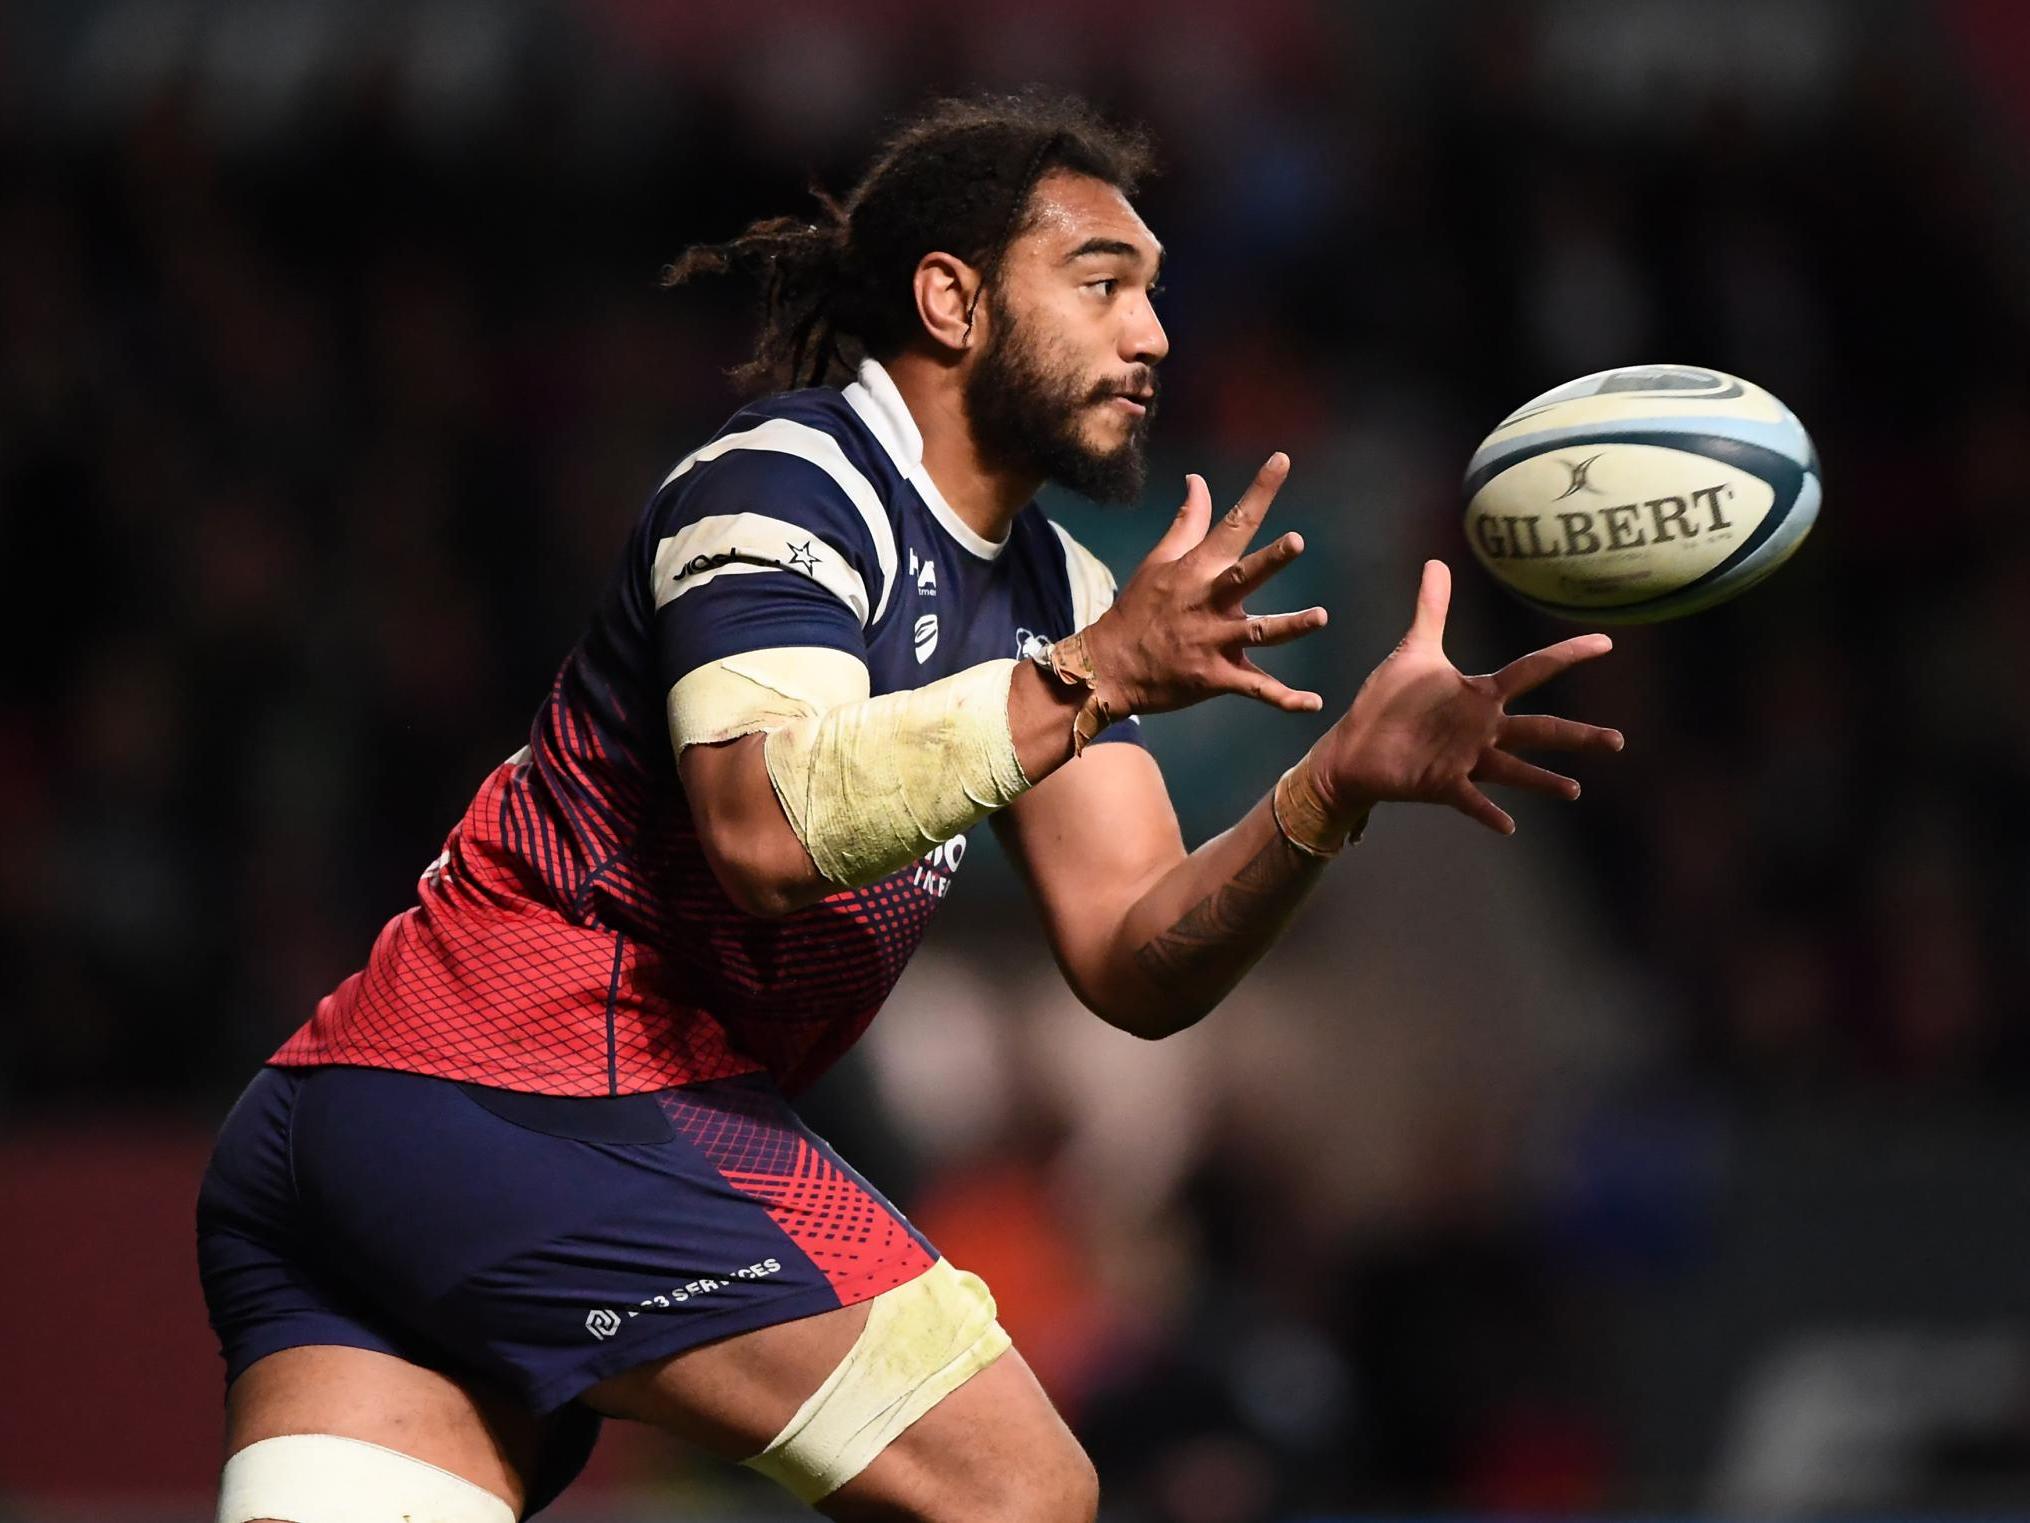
{"x":1025,"y":400}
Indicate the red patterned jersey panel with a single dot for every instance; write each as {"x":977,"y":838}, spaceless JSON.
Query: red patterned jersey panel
{"x":572,"y":938}
{"x":532,"y":963}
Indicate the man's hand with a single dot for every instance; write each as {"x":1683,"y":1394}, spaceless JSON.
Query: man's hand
{"x":1420,"y":731}
{"x":1177,"y":633}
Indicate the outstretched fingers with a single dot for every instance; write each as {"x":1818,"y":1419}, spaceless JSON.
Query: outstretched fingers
{"x":1253,"y":682}
{"x":1257,"y":566}
{"x":1546,"y":732}
{"x":1475,"y":805}
{"x":1188,"y":527}
{"x":1282,"y":628}
{"x":1513,"y":772}
{"x":1540,"y":666}
{"x":1236,"y":527}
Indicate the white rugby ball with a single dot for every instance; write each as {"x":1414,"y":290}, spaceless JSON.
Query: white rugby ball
{"x":1641,"y":493}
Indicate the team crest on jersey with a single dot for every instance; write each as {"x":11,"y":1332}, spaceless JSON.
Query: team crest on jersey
{"x":933,"y":871}
{"x":926,"y":638}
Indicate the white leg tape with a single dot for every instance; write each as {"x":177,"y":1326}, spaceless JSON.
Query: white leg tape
{"x":923,"y":1340}
{"x":318,"y":1478}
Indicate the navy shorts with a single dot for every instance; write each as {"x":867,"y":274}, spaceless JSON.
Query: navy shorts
{"x":537,"y":1243}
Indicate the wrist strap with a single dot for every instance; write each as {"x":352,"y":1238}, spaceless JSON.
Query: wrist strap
{"x":1071,"y":662}
{"x":1300,"y":814}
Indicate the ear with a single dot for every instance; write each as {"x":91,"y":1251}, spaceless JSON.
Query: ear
{"x":946,"y":289}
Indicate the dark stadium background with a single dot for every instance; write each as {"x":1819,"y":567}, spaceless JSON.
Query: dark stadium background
{"x":1669,"y":1158}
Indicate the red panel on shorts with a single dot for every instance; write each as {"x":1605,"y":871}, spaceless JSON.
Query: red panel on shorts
{"x":856,"y":1240}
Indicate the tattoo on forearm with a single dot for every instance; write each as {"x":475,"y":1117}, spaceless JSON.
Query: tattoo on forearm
{"x":1220,"y":937}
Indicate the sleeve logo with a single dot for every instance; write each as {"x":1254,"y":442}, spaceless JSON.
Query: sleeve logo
{"x":752,"y":544}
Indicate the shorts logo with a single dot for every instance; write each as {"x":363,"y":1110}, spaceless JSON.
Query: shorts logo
{"x":926,"y":638}
{"x":603,"y":1322}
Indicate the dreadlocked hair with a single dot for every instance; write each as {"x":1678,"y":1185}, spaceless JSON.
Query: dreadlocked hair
{"x":957,"y":178}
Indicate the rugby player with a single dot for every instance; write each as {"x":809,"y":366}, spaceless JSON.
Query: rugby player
{"x":536,"y":1164}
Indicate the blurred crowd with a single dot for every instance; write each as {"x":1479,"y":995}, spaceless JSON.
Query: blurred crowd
{"x":323,"y":417}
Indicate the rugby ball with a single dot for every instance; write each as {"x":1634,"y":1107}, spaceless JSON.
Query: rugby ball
{"x":1641,"y":493}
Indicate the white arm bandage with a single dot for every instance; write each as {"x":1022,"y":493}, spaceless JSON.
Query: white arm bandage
{"x":870,"y":786}
{"x":867,"y":784}
{"x":762,"y":690}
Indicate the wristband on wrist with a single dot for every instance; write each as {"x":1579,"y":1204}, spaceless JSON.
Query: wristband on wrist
{"x":1071,"y":662}
{"x":1301,"y":815}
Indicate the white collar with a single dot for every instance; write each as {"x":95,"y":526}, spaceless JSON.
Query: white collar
{"x":875,"y":397}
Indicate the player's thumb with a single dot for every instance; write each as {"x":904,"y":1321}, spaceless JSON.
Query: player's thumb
{"x":1434,"y":599}
{"x":1190,"y":524}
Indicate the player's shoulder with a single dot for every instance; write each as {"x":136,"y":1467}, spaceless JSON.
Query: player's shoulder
{"x":823,"y":420}
{"x":795,"y":463}
{"x":812,"y":435}
{"x":1088,"y":585}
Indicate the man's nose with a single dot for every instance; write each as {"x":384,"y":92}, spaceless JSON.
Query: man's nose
{"x":1143,"y":341}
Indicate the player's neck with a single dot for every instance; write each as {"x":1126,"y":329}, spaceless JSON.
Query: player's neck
{"x":985,"y":497}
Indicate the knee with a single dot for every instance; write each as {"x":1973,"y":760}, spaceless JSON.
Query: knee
{"x":1061,"y":1487}
{"x":1058,"y":1485}
{"x":1077,"y":1499}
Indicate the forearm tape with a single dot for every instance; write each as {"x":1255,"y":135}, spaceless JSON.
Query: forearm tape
{"x":870,"y":786}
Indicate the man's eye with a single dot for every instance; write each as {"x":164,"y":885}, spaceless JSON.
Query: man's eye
{"x":1105,"y":286}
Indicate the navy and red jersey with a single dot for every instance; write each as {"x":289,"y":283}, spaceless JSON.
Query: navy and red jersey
{"x":571,"y":939}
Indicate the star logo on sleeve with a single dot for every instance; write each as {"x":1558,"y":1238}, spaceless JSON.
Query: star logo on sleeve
{"x":803,"y":558}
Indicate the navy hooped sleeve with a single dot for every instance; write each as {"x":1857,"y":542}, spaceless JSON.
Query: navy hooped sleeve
{"x":765,"y":538}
